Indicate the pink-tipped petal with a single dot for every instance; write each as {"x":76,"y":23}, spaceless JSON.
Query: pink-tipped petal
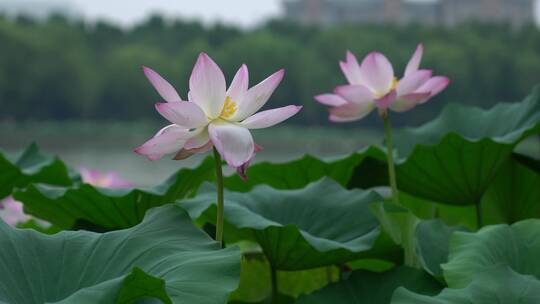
{"x":351,"y":69}
{"x":350,"y":112}
{"x":183,"y":113}
{"x":358,"y":94}
{"x":416,"y":58}
{"x":239,"y":85}
{"x":387,"y":100}
{"x":162,"y":86}
{"x":434,"y":85}
{"x":207,"y":86}
{"x":168,"y":140}
{"x":409,"y":101}
{"x":234,"y":143}
{"x":377,"y":73}
{"x":333,"y":100}
{"x":257,"y":96}
{"x":413,"y":81}
{"x":270,"y":118}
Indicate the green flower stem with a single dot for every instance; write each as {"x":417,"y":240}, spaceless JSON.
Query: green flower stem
{"x":219,"y":183}
{"x":274,"y":278}
{"x":390,"y":156}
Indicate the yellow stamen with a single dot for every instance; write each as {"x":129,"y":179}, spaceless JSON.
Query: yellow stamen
{"x":229,"y":108}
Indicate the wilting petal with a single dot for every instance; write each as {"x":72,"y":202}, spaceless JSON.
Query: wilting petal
{"x":351,"y":111}
{"x":414,"y":63}
{"x":207,"y":86}
{"x":270,"y":118}
{"x":331,"y":100}
{"x":413,"y":81}
{"x":162,"y":86}
{"x":234,"y":143}
{"x":355,"y":93}
{"x":434,"y":85}
{"x":409,"y":101}
{"x":239,"y":85}
{"x":387,"y":100}
{"x":257,"y":96}
{"x":351,"y":69}
{"x":168,"y":140}
{"x":185,"y":114}
{"x":377,"y":73}
{"x":243,"y":168}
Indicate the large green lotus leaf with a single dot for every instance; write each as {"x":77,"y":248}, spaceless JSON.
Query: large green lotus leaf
{"x":432,"y":244}
{"x":364,"y":287}
{"x":454,"y":158}
{"x":321,"y":224}
{"x":299,"y":173}
{"x":500,"y":285}
{"x":31,"y":166}
{"x":513,"y":195}
{"x":93,"y":208}
{"x":517,"y":246}
{"x":163,"y":257}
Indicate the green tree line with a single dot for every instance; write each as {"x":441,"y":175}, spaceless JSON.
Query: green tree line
{"x":60,"y":69}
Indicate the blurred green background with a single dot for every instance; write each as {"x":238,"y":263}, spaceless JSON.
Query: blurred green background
{"x":78,"y":89}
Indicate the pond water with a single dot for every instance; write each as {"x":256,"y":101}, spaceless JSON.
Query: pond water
{"x":109,"y":146}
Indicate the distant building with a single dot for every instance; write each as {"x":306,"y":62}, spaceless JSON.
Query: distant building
{"x":39,"y":10}
{"x":435,"y":12}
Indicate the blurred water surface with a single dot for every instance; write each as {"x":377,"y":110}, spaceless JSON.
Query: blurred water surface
{"x":109,"y":146}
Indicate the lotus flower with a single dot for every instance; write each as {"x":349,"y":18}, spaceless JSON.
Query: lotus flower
{"x":11,"y":211}
{"x":214,"y":116}
{"x":103,"y":179}
{"x":372,"y":84}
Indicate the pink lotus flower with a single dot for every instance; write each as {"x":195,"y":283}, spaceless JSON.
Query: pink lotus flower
{"x":103,"y":179}
{"x":214,"y":116}
{"x":372,"y":84}
{"x":11,"y":211}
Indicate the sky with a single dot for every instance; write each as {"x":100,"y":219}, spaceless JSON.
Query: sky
{"x":127,"y":12}
{"x":246,"y":13}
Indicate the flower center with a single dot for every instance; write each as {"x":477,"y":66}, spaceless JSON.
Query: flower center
{"x":229,"y":108}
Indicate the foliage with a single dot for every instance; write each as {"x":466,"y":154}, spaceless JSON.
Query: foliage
{"x":82,"y":71}
{"x":310,"y":230}
{"x":164,"y":257}
{"x":94,"y":208}
{"x":314,"y":231}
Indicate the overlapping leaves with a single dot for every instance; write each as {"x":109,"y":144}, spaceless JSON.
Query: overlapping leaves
{"x":321,"y":224}
{"x":462,"y":158}
{"x":165,"y":257}
{"x":89,"y":207}
{"x":498,"y":264}
{"x":31,"y":166}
